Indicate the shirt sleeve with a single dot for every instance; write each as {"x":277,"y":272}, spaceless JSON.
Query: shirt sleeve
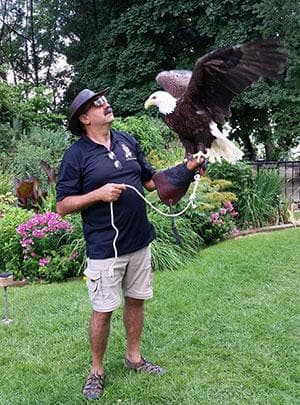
{"x":69,"y":178}
{"x":147,"y":170}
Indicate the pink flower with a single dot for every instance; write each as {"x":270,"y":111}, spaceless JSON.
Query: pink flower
{"x":214,"y":217}
{"x":73,"y":256}
{"x":44,"y":261}
{"x":38,"y":227}
{"x":234,"y":213}
{"x":38,"y":233}
{"x":26,"y":242}
{"x":228,"y":205}
{"x":223,"y":211}
{"x":235,"y":231}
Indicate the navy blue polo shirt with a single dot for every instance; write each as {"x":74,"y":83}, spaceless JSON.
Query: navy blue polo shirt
{"x":86,"y":166}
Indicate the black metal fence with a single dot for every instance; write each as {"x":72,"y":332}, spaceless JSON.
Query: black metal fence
{"x":289,"y":171}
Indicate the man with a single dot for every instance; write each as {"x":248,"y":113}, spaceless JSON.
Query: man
{"x":93,"y":177}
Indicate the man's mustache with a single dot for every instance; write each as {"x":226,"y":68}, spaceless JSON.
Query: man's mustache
{"x":108,"y":110}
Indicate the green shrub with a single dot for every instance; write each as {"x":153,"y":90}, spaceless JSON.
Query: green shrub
{"x":258,"y":194}
{"x":166,"y":254}
{"x":40,"y":144}
{"x":149,"y":132}
{"x":259,"y":204}
{"x":6,"y":200}
{"x":8,"y":137}
{"x":214,"y":217}
{"x":6,"y":182}
{"x":239,"y":174}
{"x":11,"y":258}
{"x":215,"y":226}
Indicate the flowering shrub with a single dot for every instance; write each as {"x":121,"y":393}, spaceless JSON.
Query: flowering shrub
{"x":46,"y":251}
{"x":217,"y":225}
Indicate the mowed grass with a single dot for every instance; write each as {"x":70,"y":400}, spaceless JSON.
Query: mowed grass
{"x":225,"y":327}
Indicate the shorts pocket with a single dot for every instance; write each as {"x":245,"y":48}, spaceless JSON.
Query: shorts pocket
{"x":93,"y":274}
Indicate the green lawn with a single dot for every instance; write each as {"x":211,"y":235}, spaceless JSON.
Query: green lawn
{"x":225,"y":327}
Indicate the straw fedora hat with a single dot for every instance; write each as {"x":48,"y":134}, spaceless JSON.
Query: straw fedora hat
{"x":78,"y":105}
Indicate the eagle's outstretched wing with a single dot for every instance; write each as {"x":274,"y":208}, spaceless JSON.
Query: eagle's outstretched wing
{"x":222,"y":74}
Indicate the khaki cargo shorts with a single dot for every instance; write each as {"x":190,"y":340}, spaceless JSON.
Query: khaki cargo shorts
{"x":106,"y":278}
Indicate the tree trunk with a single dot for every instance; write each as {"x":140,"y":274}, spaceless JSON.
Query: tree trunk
{"x":35,"y":60}
{"x":269,"y":148}
{"x":95,"y":14}
{"x":250,"y":150}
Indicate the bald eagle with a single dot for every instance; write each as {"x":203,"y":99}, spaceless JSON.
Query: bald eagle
{"x":193,"y":103}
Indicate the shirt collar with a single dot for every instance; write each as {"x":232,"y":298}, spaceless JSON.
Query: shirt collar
{"x":88,"y":141}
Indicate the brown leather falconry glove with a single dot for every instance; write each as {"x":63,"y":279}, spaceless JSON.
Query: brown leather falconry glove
{"x":172,"y":184}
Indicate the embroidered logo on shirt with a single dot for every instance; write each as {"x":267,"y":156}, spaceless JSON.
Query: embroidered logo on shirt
{"x":127,"y":152}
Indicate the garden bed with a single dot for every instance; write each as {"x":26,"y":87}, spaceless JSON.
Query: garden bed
{"x":253,"y":231}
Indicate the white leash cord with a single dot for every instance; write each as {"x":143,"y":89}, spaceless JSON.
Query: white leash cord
{"x":190,"y":203}
{"x":115,"y":228}
{"x":191,"y":199}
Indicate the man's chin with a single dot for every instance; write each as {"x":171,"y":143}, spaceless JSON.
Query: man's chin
{"x":110,"y":117}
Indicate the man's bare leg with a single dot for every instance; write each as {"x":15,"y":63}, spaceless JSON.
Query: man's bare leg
{"x":99,"y":332}
{"x":133,"y":321}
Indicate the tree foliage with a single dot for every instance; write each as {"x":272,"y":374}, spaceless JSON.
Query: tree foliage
{"x":30,"y":43}
{"x":125,"y":44}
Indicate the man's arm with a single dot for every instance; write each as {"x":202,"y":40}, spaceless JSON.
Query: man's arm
{"x":109,"y":192}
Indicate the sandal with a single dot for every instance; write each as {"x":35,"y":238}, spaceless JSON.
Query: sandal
{"x":145,"y":366}
{"x":93,"y":387}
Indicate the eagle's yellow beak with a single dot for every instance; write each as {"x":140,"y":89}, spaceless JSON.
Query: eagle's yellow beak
{"x":148,"y":103}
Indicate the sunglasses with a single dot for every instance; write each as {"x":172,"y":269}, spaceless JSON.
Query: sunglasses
{"x":117,"y":163}
{"x":100,"y":101}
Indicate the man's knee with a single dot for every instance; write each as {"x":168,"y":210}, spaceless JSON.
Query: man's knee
{"x":100,"y":317}
{"x":134,"y":302}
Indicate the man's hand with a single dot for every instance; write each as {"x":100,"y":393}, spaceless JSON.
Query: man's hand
{"x":109,"y":192}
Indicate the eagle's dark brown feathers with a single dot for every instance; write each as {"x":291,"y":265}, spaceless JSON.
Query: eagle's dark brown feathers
{"x":224,"y":73}
{"x":195,"y":101}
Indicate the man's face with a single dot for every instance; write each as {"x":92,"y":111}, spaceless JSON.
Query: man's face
{"x":97,"y":113}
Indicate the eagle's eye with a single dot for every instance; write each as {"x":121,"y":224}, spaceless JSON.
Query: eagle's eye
{"x":153,"y":97}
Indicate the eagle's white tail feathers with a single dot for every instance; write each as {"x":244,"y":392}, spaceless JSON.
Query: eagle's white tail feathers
{"x":222,"y":147}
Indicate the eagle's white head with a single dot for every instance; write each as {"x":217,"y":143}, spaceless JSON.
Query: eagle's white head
{"x":165,"y":102}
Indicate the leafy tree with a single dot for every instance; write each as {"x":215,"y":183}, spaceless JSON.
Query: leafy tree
{"x":30,"y":40}
{"x":126,"y":45}
{"x":19,"y":114}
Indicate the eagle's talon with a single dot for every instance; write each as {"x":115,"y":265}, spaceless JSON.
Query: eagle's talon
{"x":200,"y":155}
